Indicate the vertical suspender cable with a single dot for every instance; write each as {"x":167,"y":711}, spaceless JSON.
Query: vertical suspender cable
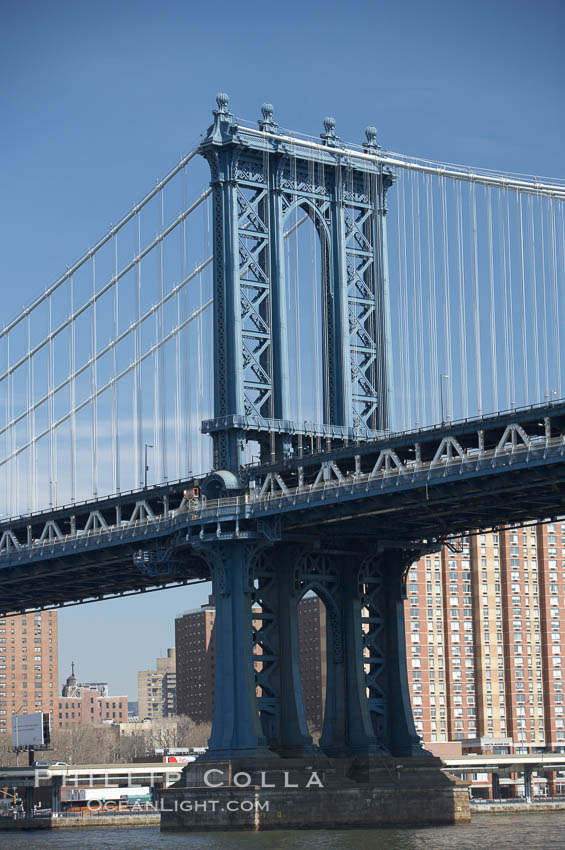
{"x":561,"y":208}
{"x":33,"y":444}
{"x":72,"y":390}
{"x":197,"y":449}
{"x":533,"y":242}
{"x":422,"y":418}
{"x":115,"y":413}
{"x":383,"y":369}
{"x":161,"y":361}
{"x":493,"y":305}
{"x":400,"y":296}
{"x":29,"y":475}
{"x":508,"y":301}
{"x":475,"y":256}
{"x":462,"y":305}
{"x":542,"y":208}
{"x":137,"y":397}
{"x":9,"y":429}
{"x":297,"y":304}
{"x":316,"y":296}
{"x":324,"y":301}
{"x":94,"y":385}
{"x":181,"y":467}
{"x":524,"y":308}
{"x":415,"y":329}
{"x":405,"y":320}
{"x":555,"y":306}
{"x":50,"y":409}
{"x":447,"y":305}
{"x":504,"y":276}
{"x":432,"y":303}
{"x":156,"y":401}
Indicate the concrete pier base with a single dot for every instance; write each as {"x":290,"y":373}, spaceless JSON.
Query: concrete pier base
{"x":313,"y":793}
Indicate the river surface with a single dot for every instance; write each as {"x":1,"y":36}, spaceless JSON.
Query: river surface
{"x":543,"y":831}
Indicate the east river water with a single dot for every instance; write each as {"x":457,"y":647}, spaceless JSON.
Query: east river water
{"x":538,"y":831}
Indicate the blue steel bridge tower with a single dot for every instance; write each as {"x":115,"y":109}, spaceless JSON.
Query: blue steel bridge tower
{"x":259,"y":178}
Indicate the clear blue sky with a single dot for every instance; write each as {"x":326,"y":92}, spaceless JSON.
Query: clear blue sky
{"x":98,"y":99}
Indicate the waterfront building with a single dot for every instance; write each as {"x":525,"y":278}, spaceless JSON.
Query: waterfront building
{"x":157,"y":689}
{"x":28,"y":665}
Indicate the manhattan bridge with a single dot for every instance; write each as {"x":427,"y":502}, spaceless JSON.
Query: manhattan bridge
{"x":296,"y":365}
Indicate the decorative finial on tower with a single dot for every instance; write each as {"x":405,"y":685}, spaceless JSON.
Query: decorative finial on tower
{"x":222,"y":99}
{"x":329,"y":137}
{"x":72,"y":668}
{"x":267,"y":124}
{"x":371,"y":146}
{"x":223,"y":127}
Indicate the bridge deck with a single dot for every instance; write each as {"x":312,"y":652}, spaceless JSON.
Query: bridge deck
{"x":415,"y":489}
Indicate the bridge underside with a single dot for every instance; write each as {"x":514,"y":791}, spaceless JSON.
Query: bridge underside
{"x":88,"y":577}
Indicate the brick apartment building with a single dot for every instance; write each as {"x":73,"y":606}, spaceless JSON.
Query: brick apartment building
{"x":88,"y":703}
{"x":28,"y":665}
{"x":196,"y":647}
{"x":484,"y":632}
{"x":312,"y":635}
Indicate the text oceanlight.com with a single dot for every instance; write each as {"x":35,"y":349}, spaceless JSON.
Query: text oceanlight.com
{"x":204,"y":806}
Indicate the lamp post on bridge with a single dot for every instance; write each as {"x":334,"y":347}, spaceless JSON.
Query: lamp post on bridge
{"x":145,"y":466}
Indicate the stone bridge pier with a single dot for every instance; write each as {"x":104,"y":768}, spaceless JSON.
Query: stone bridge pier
{"x":369,"y":767}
